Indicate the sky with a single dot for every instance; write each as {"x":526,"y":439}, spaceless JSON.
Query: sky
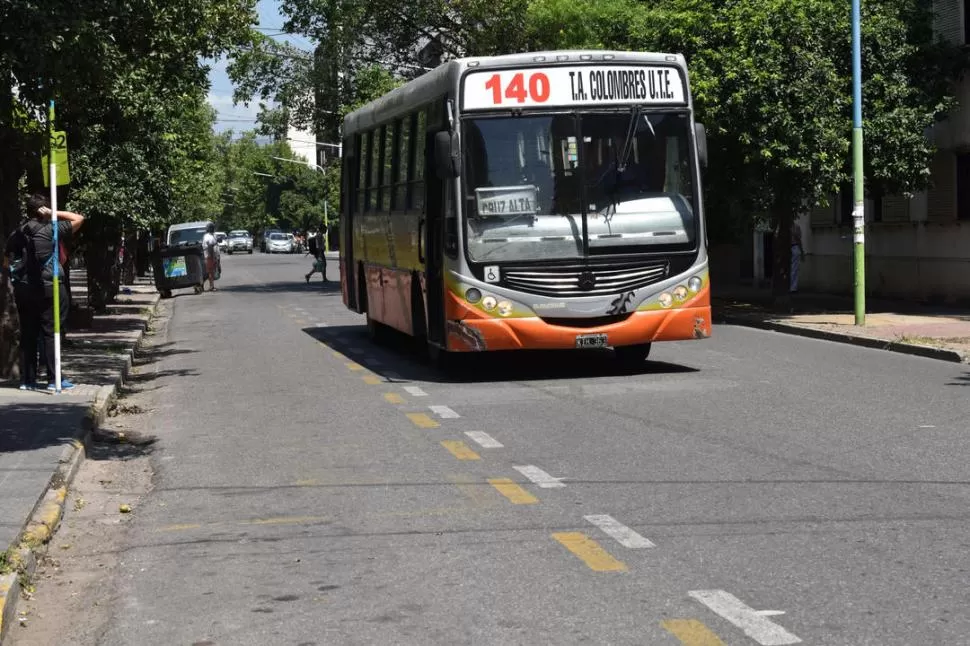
{"x":240,"y":117}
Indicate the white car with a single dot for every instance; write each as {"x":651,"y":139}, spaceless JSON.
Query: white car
{"x":279,"y":243}
{"x":240,"y":241}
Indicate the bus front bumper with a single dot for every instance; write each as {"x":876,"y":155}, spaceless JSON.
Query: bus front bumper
{"x":475,"y":334}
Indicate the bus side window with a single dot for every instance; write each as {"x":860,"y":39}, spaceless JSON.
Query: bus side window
{"x":420,"y":136}
{"x":363,"y":145}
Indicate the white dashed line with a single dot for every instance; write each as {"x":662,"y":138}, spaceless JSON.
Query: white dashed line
{"x":414,"y":391}
{"x":751,"y":621}
{"x":540,"y":477}
{"x":484,"y":439}
{"x":318,"y":324}
{"x":444,"y":412}
{"x":617,"y":530}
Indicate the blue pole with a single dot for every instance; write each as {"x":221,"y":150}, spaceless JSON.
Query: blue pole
{"x":858,"y":183}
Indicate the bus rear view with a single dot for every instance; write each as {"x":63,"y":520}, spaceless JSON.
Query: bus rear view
{"x":570,"y":212}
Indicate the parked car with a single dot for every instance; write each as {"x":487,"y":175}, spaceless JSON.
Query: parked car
{"x":279,"y":243}
{"x":239,"y":241}
{"x":264,"y":239}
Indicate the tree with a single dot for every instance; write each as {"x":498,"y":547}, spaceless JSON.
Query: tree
{"x":129,"y":86}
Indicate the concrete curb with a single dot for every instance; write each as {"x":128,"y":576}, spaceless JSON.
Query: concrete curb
{"x":838,"y":337}
{"x":49,"y":510}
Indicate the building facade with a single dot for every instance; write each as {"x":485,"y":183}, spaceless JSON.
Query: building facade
{"x":917,"y":248}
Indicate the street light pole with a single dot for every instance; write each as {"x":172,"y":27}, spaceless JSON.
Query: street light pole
{"x":326,"y":209}
{"x":858,"y":183}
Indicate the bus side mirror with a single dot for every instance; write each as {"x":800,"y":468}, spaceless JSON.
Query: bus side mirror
{"x":447,"y":157}
{"x":700,"y":137}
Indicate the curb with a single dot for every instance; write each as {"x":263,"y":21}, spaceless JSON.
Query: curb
{"x":838,"y":337}
{"x":47,"y":513}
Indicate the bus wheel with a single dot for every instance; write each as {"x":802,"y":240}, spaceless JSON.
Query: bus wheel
{"x":440,"y":358}
{"x":376,"y":331}
{"x":632,"y":355}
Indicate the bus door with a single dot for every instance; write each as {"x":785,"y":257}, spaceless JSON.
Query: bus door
{"x":433,"y":243}
{"x":348,"y":204}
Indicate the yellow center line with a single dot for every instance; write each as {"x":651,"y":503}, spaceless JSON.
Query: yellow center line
{"x":354,"y":366}
{"x":393,"y":398}
{"x":422,"y":421}
{"x":691,"y":632}
{"x":589,"y":551}
{"x":460,"y":450}
{"x":371,"y":380}
{"x":285,"y":520}
{"x":301,"y":321}
{"x":179,"y":528}
{"x":516,"y":494}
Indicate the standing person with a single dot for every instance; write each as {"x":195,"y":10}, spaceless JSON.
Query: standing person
{"x":320,"y":264}
{"x":34,"y":261}
{"x":797,"y":255}
{"x":210,"y":249}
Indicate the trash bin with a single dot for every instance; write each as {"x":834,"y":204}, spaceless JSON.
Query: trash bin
{"x":178,"y":267}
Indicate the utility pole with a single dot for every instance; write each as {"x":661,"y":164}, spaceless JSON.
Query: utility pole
{"x":858,"y":180}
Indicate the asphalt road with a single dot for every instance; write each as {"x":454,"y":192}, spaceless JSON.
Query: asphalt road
{"x":754,"y":488}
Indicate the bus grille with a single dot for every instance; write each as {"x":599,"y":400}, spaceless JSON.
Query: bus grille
{"x":585,"y":281}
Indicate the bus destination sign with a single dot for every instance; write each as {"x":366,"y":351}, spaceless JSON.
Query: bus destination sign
{"x":506,"y":201}
{"x":589,"y":85}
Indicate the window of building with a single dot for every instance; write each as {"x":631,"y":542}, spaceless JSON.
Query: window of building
{"x":963,"y":186}
{"x":404,"y":164}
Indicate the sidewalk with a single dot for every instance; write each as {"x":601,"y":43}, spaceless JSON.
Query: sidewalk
{"x":42,"y":435}
{"x":939,"y":333}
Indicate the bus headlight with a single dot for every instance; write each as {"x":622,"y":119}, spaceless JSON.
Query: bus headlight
{"x":680,"y":293}
{"x":504,"y":308}
{"x":695,"y":283}
{"x":489,"y":303}
{"x":473,"y":295}
{"x":665,"y":300}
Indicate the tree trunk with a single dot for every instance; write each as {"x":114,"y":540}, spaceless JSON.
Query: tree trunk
{"x":11,"y":169}
{"x":100,"y":256}
{"x":131,"y":255}
{"x":784,"y":212}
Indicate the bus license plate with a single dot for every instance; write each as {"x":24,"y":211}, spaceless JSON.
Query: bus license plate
{"x":590,"y":340}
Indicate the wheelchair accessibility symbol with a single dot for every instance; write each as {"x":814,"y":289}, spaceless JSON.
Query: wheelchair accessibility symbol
{"x":492,"y":274}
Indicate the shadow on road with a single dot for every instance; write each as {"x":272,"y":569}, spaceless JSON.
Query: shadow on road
{"x":400,"y":358}
{"x":962,"y":380}
{"x":315,"y":286}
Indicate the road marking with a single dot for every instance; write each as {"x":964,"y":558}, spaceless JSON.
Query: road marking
{"x":763,"y":631}
{"x":318,"y":324}
{"x":285,"y":520}
{"x":355,"y":366}
{"x":475,"y":490}
{"x":393,"y":398}
{"x":371,"y":380}
{"x":540,"y":477}
{"x":691,"y":632}
{"x":589,"y":551}
{"x":301,"y":321}
{"x":444,"y":412}
{"x":179,"y":528}
{"x":516,"y":494}
{"x":414,"y":391}
{"x":484,"y":440}
{"x":615,"y":529}
{"x":460,"y":450}
{"x":422,"y":421}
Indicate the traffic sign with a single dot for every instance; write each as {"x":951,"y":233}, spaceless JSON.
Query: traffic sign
{"x":59,"y":144}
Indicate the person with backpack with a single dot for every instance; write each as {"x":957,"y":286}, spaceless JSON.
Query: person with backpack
{"x":32,"y":261}
{"x":318,"y":247}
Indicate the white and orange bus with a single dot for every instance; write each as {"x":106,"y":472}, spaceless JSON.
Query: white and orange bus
{"x":547,"y":200}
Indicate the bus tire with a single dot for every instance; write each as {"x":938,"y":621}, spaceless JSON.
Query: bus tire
{"x":632,"y":356}
{"x":376,"y":330}
{"x":439,"y":358}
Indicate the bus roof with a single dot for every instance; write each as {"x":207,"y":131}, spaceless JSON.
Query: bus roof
{"x":444,"y":78}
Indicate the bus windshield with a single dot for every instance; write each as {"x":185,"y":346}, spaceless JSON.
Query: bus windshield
{"x":529,"y":184}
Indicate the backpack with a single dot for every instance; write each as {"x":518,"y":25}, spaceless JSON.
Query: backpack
{"x":24,"y":266}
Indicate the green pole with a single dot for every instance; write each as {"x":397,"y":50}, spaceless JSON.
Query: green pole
{"x":858,"y":183}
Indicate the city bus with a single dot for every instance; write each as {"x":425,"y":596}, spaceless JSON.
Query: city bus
{"x":547,"y":200}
